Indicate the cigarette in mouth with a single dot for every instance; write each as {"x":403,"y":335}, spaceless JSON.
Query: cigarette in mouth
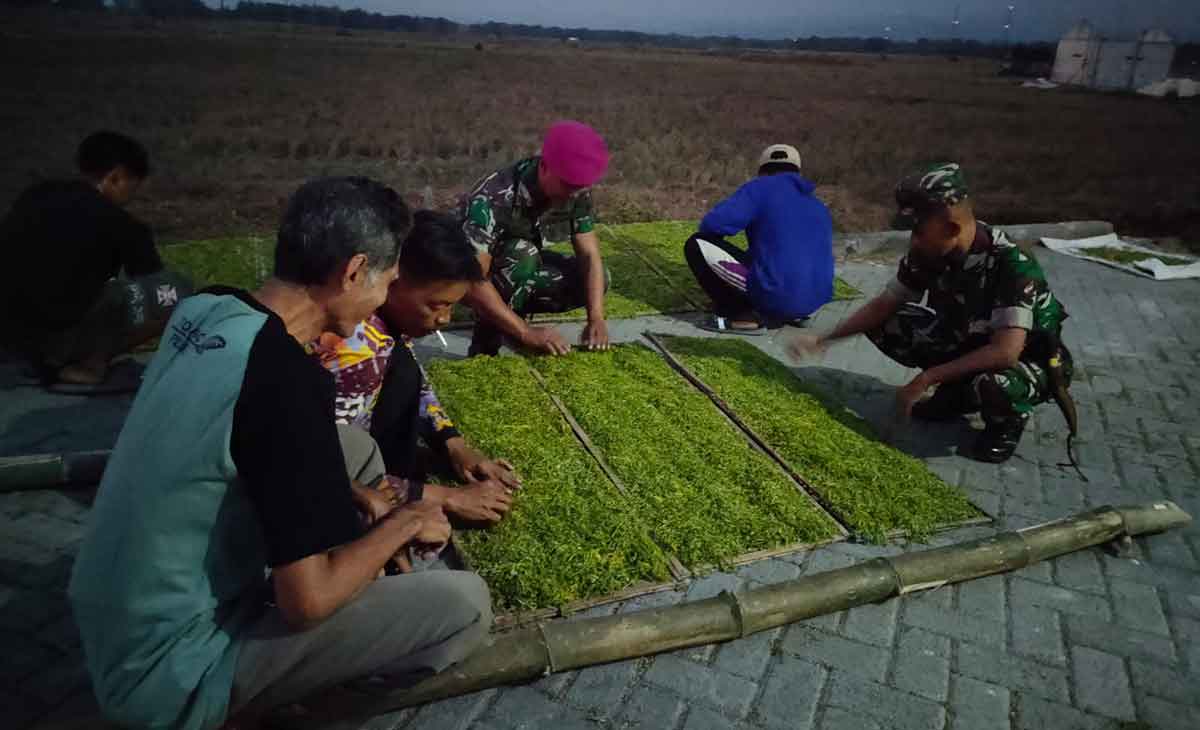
{"x":441,"y":339}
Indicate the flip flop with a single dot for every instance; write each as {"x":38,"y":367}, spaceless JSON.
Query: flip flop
{"x":720,"y":326}
{"x":123,"y":377}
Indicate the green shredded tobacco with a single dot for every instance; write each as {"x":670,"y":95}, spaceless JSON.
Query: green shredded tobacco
{"x":704,"y":492}
{"x":241,"y":261}
{"x":870,"y":486}
{"x":1128,"y":256}
{"x":570,"y":534}
{"x":843,"y":291}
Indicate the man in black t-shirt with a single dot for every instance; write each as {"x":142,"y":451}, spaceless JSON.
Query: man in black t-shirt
{"x":64,"y":245}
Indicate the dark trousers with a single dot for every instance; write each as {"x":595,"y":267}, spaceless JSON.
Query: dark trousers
{"x":728,"y":299}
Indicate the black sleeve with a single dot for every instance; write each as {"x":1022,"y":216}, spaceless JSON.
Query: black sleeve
{"x":285,"y":446}
{"x":395,"y":421}
{"x":135,"y":242}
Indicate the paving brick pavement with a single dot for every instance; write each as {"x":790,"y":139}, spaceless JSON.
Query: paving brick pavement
{"x":1090,"y":640}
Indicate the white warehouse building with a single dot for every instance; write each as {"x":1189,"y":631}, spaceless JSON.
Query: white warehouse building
{"x":1085,"y":58}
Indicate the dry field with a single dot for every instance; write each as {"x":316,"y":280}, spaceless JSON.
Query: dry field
{"x":237,"y":115}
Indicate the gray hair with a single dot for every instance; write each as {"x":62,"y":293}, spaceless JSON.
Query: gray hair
{"x":330,"y":220}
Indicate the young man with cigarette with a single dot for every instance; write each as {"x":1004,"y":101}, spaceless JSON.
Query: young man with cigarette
{"x":382,"y":389}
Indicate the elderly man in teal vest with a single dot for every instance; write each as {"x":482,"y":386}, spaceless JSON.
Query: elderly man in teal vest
{"x":231,"y":464}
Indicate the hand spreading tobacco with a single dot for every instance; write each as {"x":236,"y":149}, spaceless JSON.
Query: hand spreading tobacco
{"x":471,"y":465}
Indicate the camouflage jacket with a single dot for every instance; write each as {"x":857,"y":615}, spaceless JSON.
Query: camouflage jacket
{"x":508,"y":204}
{"x":997,"y":285}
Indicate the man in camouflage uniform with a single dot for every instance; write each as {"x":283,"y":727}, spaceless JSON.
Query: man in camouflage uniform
{"x":984,"y":331}
{"x":502,"y":218}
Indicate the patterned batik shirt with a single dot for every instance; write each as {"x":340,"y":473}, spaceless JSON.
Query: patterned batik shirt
{"x":995,"y":286}
{"x":360,"y":362}
{"x":508,"y":204}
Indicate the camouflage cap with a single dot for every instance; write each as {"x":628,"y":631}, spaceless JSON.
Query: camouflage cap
{"x":931,"y":187}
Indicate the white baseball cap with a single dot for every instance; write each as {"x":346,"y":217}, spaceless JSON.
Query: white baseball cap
{"x":784,"y":153}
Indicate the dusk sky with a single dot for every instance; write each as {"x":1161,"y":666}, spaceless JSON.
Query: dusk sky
{"x":909,"y":19}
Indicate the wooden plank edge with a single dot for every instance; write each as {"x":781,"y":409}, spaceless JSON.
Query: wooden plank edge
{"x":515,"y":619}
{"x":946,"y":526}
{"x":799,"y":547}
{"x":758,"y":555}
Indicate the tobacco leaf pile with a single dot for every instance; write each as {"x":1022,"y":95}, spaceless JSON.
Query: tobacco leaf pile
{"x":871,"y":487}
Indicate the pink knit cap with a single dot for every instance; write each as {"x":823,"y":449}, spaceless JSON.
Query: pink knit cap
{"x":575,"y":153}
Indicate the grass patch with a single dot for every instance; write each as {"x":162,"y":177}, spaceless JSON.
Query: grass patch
{"x":705,"y":493}
{"x":241,"y":261}
{"x":570,"y":534}
{"x":870,"y":486}
{"x":1127,"y":256}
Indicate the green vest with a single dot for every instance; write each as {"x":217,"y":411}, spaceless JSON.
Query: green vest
{"x":173,"y":564}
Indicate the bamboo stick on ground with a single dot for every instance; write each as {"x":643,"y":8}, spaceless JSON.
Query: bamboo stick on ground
{"x":529,"y":653}
{"x":49,"y":471}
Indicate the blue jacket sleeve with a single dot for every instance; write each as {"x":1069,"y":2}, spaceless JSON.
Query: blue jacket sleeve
{"x":732,"y":214}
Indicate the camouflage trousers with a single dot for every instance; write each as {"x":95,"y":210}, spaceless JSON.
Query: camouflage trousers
{"x":532,"y":281}
{"x":917,"y":337}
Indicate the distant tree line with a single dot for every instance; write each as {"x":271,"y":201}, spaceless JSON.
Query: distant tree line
{"x":355,"y":19}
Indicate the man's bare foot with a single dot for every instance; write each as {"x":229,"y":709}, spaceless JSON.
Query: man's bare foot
{"x":82,"y":374}
{"x":743,"y":324}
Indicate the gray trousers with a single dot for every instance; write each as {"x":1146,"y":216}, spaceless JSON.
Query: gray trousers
{"x":402,"y":627}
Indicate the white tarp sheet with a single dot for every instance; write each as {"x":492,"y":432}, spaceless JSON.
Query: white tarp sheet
{"x":1150,"y":267}
{"x":1183,"y":88}
{"x":1040,"y":83}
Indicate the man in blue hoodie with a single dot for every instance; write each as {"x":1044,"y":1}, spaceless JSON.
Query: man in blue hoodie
{"x":787,"y":272}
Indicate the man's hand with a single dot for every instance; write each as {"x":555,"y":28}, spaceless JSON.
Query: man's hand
{"x":486,"y":501}
{"x":470,"y":465}
{"x":595,"y":335}
{"x":434,"y":532}
{"x":431,"y":530}
{"x":806,"y":345}
{"x":499,"y":470}
{"x":908,"y":395}
{"x":373,"y":504}
{"x":545,"y":339}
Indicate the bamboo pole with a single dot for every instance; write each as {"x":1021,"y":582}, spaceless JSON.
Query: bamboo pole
{"x":47,"y":471}
{"x":528,"y":653}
